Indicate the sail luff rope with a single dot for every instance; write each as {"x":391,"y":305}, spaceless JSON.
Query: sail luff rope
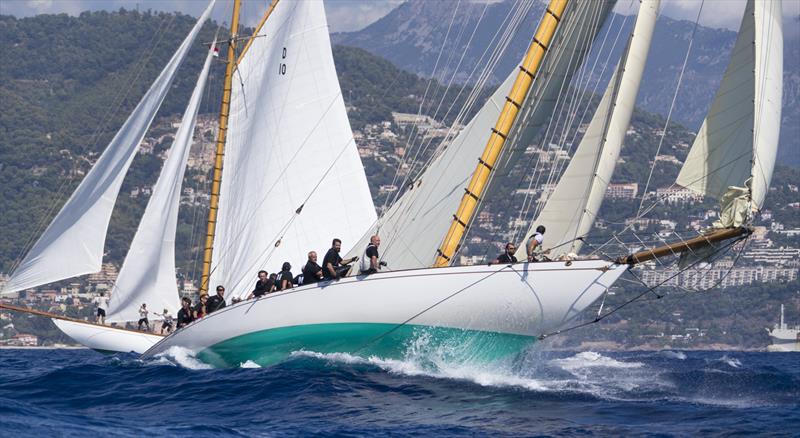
{"x":672,"y":105}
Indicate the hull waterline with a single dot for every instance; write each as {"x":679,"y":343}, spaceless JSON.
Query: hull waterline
{"x":477,"y":312}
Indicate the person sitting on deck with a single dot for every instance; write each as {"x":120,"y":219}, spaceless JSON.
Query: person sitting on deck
{"x":217,"y":301}
{"x":535,"y":242}
{"x":102,"y":307}
{"x":264,"y":285}
{"x":370,"y":263}
{"x":143,"y":317}
{"x":201,"y":309}
{"x":185,"y":315}
{"x":285,"y":278}
{"x":333,"y":267}
{"x":506,"y":257}
{"x":312,"y":272}
{"x":166,"y":321}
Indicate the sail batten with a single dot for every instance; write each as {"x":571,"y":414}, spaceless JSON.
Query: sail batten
{"x":571,"y":209}
{"x":72,"y":244}
{"x":148,"y":273}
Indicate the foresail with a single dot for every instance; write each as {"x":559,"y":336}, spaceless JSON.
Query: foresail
{"x":73,"y":243}
{"x":737,"y":143}
{"x":571,"y":209}
{"x":413,"y":228}
{"x":148,"y":273}
{"x":289,"y":148}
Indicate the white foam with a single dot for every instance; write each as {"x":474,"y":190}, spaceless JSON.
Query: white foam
{"x":730,"y":361}
{"x":249,"y":364}
{"x":590,"y":359}
{"x":674,"y":354}
{"x":182,"y":357}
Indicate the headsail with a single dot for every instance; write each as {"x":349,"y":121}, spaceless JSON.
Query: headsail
{"x":413,"y":228}
{"x":571,"y":209}
{"x":148,"y":273}
{"x":736,"y":146}
{"x":73,"y":243}
{"x":289,"y":148}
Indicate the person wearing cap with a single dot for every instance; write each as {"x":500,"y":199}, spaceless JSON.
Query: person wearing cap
{"x":535,"y":242}
{"x":285,"y":277}
{"x":166,"y":321}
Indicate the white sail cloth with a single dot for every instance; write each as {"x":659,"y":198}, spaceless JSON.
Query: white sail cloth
{"x":571,"y":209}
{"x":414,"y":226}
{"x":73,"y":243}
{"x":738,"y":141}
{"x":289,"y":145}
{"x":148,"y":273}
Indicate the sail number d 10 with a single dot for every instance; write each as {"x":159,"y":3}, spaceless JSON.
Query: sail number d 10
{"x":282,"y":65}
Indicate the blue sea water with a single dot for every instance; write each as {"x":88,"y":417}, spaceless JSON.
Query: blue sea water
{"x":666,"y":393}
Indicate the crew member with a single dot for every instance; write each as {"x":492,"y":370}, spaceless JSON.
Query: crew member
{"x":264,"y":285}
{"x":102,"y":308}
{"x":507,"y":256}
{"x":535,"y":242}
{"x":186,"y":314}
{"x":312,"y":272}
{"x":217,"y":301}
{"x":369,"y":262}
{"x":333,"y":267}
{"x":143,"y":317}
{"x":285,"y":278}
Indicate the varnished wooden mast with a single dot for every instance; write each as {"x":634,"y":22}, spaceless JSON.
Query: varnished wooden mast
{"x":480,"y":178}
{"x":221,"y":136}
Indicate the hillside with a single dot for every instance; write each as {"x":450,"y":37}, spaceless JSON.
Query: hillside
{"x":411,"y":36}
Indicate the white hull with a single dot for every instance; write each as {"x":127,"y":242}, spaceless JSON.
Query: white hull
{"x":521,"y":301}
{"x":107,"y":339}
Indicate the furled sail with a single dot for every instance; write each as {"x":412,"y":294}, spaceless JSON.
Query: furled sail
{"x":148,"y":273}
{"x":571,"y":209}
{"x":738,"y":141}
{"x":412,"y":229}
{"x":289,"y":148}
{"x":73,"y":243}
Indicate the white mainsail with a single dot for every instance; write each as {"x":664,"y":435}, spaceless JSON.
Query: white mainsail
{"x":289,"y":145}
{"x":73,"y":243}
{"x":735,"y":149}
{"x":148,"y":273}
{"x":571,"y":209}
{"x":412,"y":229}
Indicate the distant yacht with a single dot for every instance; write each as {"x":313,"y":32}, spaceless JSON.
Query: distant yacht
{"x":784,"y":338}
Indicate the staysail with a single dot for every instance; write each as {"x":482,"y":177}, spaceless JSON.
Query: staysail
{"x":73,"y":243}
{"x":148,"y":273}
{"x":293,"y":179}
{"x":733,"y":155}
{"x":412,"y":229}
{"x":571,"y":209}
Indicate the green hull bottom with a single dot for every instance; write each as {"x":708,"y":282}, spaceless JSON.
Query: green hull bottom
{"x":386,"y":341}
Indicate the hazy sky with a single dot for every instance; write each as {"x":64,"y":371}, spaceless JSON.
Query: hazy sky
{"x":347,"y":15}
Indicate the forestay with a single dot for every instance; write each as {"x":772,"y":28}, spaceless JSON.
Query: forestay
{"x":738,"y":141}
{"x":289,"y":147}
{"x":571,"y":209}
{"x":412,"y":229}
{"x":73,"y":243}
{"x":148,"y":273}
